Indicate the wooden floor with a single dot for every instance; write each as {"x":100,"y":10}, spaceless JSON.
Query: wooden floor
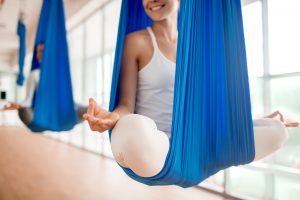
{"x":34,"y":167}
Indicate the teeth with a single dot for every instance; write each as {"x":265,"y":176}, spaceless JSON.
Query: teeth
{"x":156,"y":8}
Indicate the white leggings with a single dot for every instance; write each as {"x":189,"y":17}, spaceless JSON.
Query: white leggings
{"x":137,"y":143}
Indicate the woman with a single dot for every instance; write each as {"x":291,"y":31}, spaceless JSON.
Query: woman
{"x":24,"y":108}
{"x":142,"y":120}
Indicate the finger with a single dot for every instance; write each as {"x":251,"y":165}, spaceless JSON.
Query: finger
{"x":101,"y":112}
{"x":281,"y":117}
{"x":91,"y":107}
{"x":274,"y":114}
{"x":94,"y":105}
{"x":294,"y":124}
{"x":91,"y":118}
{"x":98,"y":111}
{"x":93,"y":101}
{"x":85,"y":116}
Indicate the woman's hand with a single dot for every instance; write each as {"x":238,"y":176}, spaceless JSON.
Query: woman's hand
{"x":100,"y":119}
{"x":12,"y":106}
{"x":287,"y":122}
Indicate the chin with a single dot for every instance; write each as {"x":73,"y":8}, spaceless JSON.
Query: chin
{"x":157,"y":18}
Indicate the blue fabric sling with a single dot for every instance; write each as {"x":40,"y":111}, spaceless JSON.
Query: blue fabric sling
{"x":53,"y":103}
{"x":22,"y":51}
{"x":212,"y":123}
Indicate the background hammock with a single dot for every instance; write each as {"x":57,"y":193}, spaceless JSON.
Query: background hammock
{"x":53,"y":103}
{"x":21,"y":30}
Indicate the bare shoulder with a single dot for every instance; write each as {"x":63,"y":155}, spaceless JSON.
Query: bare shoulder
{"x":137,"y":41}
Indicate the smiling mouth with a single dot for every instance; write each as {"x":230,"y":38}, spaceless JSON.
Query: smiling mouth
{"x":157,"y":8}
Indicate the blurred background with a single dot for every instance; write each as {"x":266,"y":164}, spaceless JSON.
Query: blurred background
{"x":273,"y":50}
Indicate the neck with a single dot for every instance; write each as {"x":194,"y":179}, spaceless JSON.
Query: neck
{"x":166,"y":28}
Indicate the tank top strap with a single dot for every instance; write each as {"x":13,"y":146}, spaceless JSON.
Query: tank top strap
{"x":154,"y":42}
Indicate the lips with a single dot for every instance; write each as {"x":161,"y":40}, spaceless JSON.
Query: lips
{"x":157,"y":7}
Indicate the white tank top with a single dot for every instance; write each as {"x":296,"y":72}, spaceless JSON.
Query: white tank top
{"x":155,"y":89}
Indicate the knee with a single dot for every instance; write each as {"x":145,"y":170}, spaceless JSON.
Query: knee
{"x":131,"y":134}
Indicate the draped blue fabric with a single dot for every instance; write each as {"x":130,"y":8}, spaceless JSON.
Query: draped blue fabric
{"x":53,"y":103}
{"x":212,"y":123}
{"x":21,"y":30}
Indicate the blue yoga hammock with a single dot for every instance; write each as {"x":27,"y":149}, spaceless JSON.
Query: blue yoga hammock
{"x":53,"y":103}
{"x":212,"y":123}
{"x":22,"y":51}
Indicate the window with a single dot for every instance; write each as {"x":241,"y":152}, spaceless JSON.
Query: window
{"x":94,"y":34}
{"x":284,"y":37}
{"x":111,"y":21}
{"x":252,"y":17}
{"x":253,"y":29}
{"x":285,"y":95}
{"x":76,"y":61}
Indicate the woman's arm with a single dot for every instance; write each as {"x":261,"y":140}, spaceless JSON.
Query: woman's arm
{"x":101,"y":120}
{"x":128,"y":77}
